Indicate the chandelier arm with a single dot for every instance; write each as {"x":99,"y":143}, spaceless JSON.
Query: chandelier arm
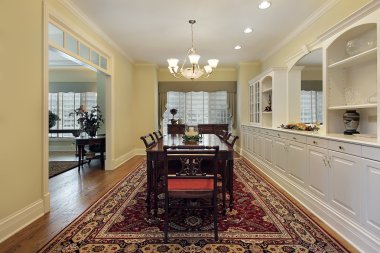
{"x":184,"y":60}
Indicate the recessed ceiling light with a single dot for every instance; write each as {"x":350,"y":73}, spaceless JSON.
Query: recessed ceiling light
{"x":237,"y":47}
{"x":248,"y":30}
{"x":264,"y":4}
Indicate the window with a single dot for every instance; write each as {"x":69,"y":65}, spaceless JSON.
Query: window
{"x":311,"y":106}
{"x":64,"y":103}
{"x":197,"y":108}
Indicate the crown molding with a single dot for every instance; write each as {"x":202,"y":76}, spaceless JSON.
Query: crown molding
{"x":68,"y":4}
{"x":314,"y":17}
{"x":361,"y":13}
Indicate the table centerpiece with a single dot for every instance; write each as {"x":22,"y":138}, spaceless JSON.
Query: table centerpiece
{"x":191,"y":136}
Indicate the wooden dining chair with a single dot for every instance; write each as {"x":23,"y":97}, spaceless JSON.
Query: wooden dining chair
{"x":223,"y":134}
{"x":158,"y":135}
{"x":190,"y":182}
{"x":231,"y":139}
{"x":150,"y":142}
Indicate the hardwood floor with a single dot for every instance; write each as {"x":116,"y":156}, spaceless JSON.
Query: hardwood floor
{"x":72,"y":193}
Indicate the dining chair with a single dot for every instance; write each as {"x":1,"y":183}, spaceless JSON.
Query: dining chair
{"x":231,"y":139}
{"x":223,"y":134}
{"x":150,"y":142}
{"x":158,"y":135}
{"x":190,"y":182}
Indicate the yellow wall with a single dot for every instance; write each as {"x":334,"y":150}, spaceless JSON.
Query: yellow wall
{"x":341,"y":10}
{"x":20,"y":104}
{"x":145,"y":101}
{"x":22,"y":107}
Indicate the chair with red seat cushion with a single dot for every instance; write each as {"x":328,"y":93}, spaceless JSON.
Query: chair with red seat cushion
{"x":190,"y":182}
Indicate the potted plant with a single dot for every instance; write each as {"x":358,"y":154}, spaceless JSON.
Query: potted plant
{"x":173,"y":111}
{"x":53,"y":118}
{"x":90,"y":121}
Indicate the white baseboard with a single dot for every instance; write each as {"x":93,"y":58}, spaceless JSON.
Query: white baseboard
{"x":20,"y":219}
{"x":122,"y":159}
{"x":351,"y":231}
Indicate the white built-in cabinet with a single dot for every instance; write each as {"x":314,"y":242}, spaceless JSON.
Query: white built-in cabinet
{"x":352,"y":75}
{"x":267,"y":101}
{"x":334,"y":175}
{"x":339,"y":180}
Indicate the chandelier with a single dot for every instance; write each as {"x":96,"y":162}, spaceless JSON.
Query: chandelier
{"x":193,"y":71}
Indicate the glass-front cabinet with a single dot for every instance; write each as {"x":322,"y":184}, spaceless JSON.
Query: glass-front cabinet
{"x":255,"y":103}
{"x":266,"y":98}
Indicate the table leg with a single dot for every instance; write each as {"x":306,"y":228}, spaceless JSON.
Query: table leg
{"x":224,"y":182}
{"x":231,"y":182}
{"x":149,"y":184}
{"x":80,"y":155}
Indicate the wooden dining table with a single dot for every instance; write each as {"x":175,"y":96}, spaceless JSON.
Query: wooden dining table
{"x":155,"y":155}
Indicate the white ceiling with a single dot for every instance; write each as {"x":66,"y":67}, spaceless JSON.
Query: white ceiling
{"x":150,"y":31}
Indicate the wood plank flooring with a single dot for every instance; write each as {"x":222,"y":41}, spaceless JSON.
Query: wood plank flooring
{"x":72,"y":193}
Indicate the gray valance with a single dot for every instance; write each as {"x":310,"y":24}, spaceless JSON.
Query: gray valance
{"x":229,"y":87}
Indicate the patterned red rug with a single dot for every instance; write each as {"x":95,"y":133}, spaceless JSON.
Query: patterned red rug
{"x":263,"y":220}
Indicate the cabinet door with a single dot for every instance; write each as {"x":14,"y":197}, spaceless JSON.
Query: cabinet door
{"x":318,"y":174}
{"x":297,"y":162}
{"x":345,"y":183}
{"x":370,"y":195}
{"x":268,"y":144}
{"x":260,"y":148}
{"x":280,"y":154}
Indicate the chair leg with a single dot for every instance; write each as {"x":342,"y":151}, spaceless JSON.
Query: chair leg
{"x":166,"y":218}
{"x":215,"y":218}
{"x":224,"y":181}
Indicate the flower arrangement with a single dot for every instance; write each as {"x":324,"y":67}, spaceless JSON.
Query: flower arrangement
{"x":302,"y":126}
{"x":53,"y":118}
{"x":90,"y":121}
{"x":191,"y":135}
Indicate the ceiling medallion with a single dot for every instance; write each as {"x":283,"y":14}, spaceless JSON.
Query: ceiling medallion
{"x":194,"y":71}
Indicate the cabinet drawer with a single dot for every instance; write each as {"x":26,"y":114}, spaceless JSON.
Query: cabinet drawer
{"x":266,"y":132}
{"x":318,"y":142}
{"x":371,"y":153}
{"x":345,"y":147}
{"x":297,"y":137}
{"x":280,"y":134}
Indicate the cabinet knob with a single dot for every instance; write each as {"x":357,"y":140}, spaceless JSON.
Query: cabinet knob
{"x":294,"y":138}
{"x":278,"y":135}
{"x":340,"y":147}
{"x":314,"y":142}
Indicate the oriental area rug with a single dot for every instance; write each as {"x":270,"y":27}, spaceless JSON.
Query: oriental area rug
{"x":263,"y":220}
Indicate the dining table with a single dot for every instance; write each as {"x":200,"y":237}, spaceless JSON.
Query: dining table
{"x":155,"y":156}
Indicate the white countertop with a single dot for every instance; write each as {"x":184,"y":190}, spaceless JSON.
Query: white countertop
{"x":356,"y":138}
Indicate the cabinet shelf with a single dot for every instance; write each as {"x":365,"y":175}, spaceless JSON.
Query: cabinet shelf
{"x":356,"y":59}
{"x":267,"y":90}
{"x":353,"y":107}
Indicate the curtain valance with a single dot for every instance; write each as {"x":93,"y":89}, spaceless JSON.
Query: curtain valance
{"x":197,"y":86}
